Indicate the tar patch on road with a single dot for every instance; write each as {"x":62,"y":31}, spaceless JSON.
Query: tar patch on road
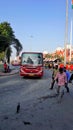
{"x":48,"y":96}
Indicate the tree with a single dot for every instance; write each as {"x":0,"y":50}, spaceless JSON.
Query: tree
{"x":3,"y":43}
{"x":7,"y":38}
{"x":7,"y":31}
{"x":17,"y":46}
{"x":8,"y":53}
{"x":2,"y":54}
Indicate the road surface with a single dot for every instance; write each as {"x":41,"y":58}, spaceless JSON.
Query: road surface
{"x":39,"y":109}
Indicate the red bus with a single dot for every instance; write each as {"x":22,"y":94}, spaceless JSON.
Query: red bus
{"x":31,"y":64}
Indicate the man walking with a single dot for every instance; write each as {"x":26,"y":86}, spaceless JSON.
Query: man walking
{"x":68,"y":78}
{"x":55,"y":70}
{"x":62,"y":80}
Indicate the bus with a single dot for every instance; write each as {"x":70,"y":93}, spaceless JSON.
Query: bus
{"x":31,"y":64}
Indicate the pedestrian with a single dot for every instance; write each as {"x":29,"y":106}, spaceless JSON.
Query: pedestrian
{"x":68,"y":78}
{"x":55,"y":70}
{"x":8,"y":68}
{"x":5,"y":67}
{"x":71,"y":78}
{"x":62,"y":80}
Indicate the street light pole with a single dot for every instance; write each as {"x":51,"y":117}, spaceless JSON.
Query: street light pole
{"x":66,"y":32}
{"x":71,"y":40}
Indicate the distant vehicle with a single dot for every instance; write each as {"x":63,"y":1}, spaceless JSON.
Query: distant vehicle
{"x":31,"y":64}
{"x":15,"y":63}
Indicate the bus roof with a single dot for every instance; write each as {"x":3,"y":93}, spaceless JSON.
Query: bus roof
{"x":32,"y":52}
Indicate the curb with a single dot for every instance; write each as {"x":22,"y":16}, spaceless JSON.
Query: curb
{"x":8,"y":74}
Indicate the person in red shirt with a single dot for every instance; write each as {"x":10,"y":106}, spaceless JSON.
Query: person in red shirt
{"x":5,"y":67}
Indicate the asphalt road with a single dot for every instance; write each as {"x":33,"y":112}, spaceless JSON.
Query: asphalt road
{"x":39,"y":110}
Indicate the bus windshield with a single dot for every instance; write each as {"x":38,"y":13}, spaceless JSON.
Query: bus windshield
{"x":32,"y":59}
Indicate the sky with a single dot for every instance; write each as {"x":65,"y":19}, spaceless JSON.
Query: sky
{"x":38,"y":24}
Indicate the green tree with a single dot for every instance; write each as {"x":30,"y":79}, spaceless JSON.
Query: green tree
{"x":3,"y":43}
{"x":2,"y":54}
{"x":7,"y":38}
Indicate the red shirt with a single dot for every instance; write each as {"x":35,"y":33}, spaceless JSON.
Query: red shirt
{"x":5,"y":65}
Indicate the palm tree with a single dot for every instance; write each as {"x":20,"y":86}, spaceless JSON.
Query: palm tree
{"x":8,"y":53}
{"x":17,"y":45}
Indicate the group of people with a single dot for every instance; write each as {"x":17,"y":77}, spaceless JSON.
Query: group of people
{"x":6,"y":67}
{"x":62,"y":77}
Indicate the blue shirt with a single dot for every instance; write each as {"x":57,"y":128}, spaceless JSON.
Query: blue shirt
{"x":68,"y":75}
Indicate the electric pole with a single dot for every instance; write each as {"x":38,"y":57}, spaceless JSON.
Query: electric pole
{"x":66,"y":33}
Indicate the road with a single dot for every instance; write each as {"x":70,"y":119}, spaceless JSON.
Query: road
{"x":38,"y":109}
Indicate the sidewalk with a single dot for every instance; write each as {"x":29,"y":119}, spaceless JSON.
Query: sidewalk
{"x":10,"y":73}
